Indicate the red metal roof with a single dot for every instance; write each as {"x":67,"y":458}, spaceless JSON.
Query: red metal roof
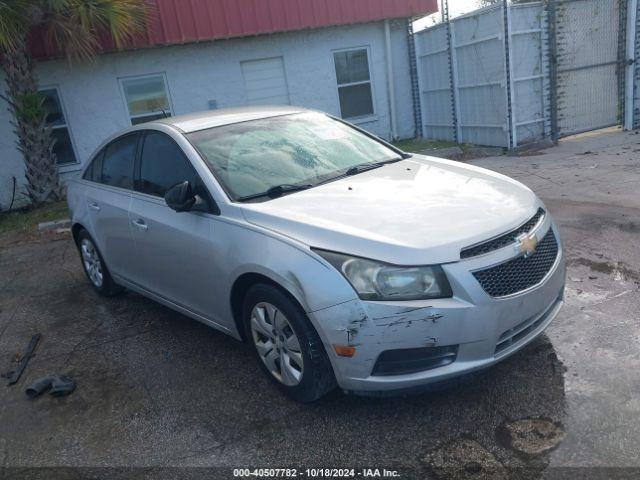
{"x":185,"y":21}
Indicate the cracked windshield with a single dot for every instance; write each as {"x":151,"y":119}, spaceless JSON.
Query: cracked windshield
{"x":251,"y":157}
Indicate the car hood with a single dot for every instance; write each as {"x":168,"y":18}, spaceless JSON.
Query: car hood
{"x":419,"y":211}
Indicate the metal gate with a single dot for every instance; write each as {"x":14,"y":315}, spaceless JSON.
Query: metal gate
{"x":588,"y":73}
{"x":483,"y":76}
{"x":510,"y":74}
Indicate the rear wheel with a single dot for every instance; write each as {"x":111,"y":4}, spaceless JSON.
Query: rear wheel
{"x":94,"y":266}
{"x":286,"y":344}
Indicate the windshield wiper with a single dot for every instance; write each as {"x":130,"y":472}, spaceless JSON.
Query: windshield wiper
{"x":359,"y":169}
{"x":277,"y":191}
{"x":363,"y":167}
{"x":392,"y":160}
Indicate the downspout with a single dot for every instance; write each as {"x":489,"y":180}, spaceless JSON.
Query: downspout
{"x":390,"y":83}
{"x":632,"y":11}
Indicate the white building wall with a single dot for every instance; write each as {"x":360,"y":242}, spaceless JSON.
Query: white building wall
{"x":198,"y":73}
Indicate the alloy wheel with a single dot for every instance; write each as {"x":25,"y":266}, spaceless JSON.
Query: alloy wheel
{"x":277,"y":344}
{"x":92,"y":263}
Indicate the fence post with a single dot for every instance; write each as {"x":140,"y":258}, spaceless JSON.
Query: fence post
{"x":630,"y":67}
{"x":513,"y":137}
{"x":553,"y":68}
{"x":412,"y":41}
{"x":453,"y":72}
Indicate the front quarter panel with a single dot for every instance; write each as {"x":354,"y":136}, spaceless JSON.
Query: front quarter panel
{"x":246,"y":249}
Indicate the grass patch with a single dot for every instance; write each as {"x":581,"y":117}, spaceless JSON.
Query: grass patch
{"x":28,"y":220}
{"x":418,"y":144}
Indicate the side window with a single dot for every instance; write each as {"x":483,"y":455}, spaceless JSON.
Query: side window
{"x":88,"y":173}
{"x":94,"y":172}
{"x":97,"y":167}
{"x":163,"y":164}
{"x":117,"y":164}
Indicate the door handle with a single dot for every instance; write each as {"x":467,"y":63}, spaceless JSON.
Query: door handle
{"x":94,"y":206}
{"x":140,"y":224}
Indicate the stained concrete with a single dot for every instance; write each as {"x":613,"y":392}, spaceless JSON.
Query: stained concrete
{"x":155,"y":389}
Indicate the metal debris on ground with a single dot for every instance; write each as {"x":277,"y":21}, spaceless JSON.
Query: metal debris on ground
{"x":14,"y":376}
{"x":58,"y":386}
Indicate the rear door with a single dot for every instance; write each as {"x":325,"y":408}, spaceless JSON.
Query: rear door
{"x":108,"y":197}
{"x":174,"y":255}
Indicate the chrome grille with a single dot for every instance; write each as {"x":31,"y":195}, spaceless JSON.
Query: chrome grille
{"x":502,"y":240}
{"x":520,"y":273}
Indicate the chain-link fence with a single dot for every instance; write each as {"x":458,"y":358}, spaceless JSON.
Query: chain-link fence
{"x":510,"y":74}
{"x":588,"y":64}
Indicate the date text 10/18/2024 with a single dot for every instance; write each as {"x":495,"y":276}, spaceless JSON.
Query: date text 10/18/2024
{"x":315,"y":473}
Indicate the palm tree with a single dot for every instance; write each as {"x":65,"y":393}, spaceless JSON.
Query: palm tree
{"x":74,"y":28}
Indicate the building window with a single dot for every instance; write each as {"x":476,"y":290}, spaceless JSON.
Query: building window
{"x":147,"y":98}
{"x":354,"y":83}
{"x":63,"y":148}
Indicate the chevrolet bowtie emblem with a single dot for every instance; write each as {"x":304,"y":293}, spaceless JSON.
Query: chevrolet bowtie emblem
{"x":526,"y":245}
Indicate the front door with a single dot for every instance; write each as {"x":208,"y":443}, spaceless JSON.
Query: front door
{"x":174,"y":255}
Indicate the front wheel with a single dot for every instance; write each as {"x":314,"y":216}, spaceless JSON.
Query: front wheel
{"x":288,"y":347}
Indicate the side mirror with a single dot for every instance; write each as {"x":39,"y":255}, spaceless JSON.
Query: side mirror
{"x":180,"y":198}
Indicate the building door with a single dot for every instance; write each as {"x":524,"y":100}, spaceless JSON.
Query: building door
{"x":588,"y":67}
{"x":265,"y":82}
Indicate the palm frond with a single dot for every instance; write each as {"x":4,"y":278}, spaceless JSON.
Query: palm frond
{"x":76,"y":26}
{"x":13,"y":23}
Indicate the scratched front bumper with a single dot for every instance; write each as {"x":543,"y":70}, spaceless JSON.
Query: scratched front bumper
{"x":471,"y":319}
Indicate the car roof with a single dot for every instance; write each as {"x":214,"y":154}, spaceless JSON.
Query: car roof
{"x":193,"y":122}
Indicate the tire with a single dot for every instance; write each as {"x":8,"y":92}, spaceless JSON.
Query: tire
{"x":304,"y":383}
{"x":94,"y":267}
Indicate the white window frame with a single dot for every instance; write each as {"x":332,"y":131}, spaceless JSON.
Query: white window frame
{"x":365,"y":118}
{"x":64,"y":167}
{"x":121,"y":81}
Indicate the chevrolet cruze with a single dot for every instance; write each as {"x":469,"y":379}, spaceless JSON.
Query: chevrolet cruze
{"x":340,"y":259}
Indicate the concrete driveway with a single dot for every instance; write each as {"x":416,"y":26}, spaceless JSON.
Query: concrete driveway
{"x":156,"y":389}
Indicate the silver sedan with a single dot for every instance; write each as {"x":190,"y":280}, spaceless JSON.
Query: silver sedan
{"x":340,"y":259}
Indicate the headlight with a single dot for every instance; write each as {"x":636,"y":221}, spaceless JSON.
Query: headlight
{"x":381,"y":281}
